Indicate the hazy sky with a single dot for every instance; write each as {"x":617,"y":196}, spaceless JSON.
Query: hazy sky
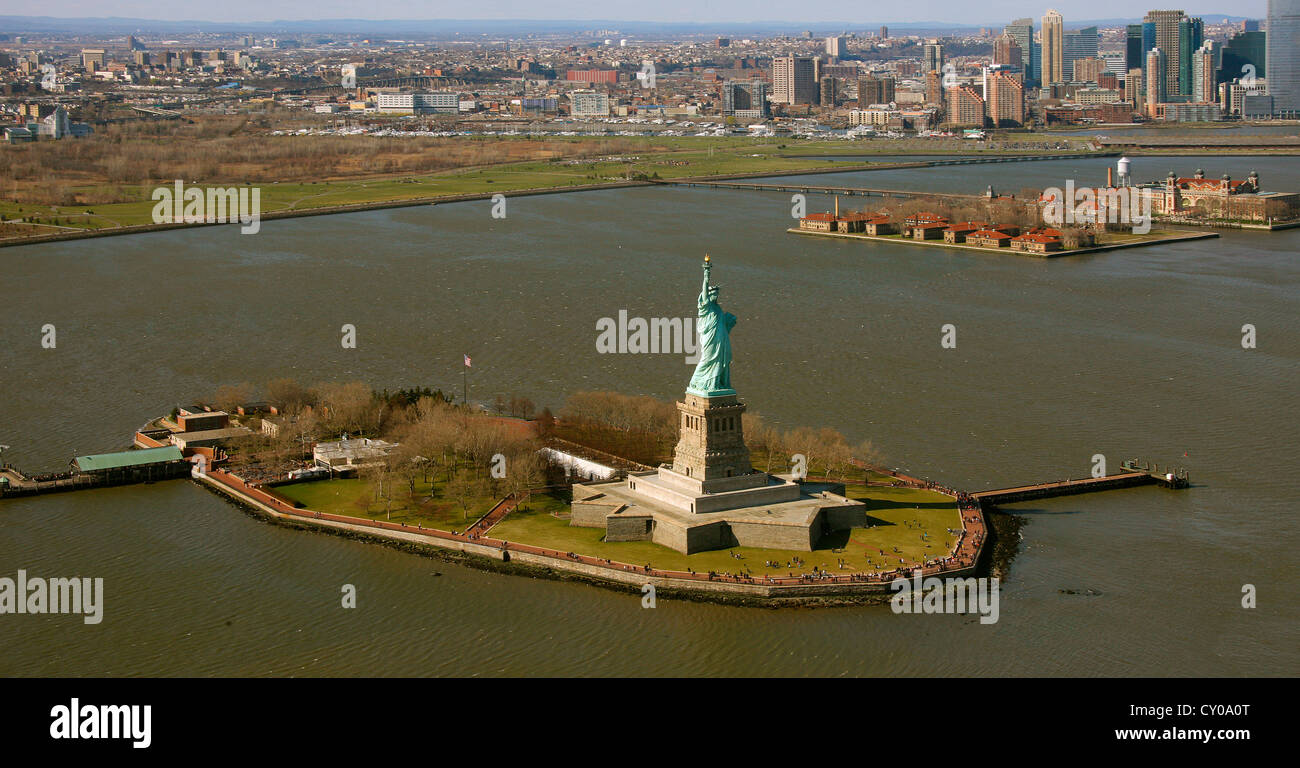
{"x":867,"y":13}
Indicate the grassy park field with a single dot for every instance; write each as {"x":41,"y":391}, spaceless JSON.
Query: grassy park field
{"x":908,"y":524}
{"x":97,"y":183}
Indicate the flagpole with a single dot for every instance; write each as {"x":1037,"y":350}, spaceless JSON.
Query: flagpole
{"x":464,"y":373}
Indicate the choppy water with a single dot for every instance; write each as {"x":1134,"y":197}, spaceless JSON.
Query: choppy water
{"x":1131,"y":353}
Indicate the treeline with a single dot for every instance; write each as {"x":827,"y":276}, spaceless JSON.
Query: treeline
{"x":636,"y":427}
{"x":645,"y":429}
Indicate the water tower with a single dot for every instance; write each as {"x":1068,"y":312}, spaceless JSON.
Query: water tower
{"x":1122,"y":168}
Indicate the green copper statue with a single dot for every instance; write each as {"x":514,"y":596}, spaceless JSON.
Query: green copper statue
{"x":712,"y":376}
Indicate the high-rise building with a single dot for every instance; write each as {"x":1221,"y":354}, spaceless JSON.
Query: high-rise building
{"x":965,"y":106}
{"x":1283,"y":55}
{"x":1052,"y":62}
{"x":1005,"y":94}
{"x":1191,"y":33}
{"x":875,"y":90}
{"x":744,"y":98}
{"x":1160,"y":29}
{"x":1133,"y":47}
{"x":1007,"y":52}
{"x":829,"y":95}
{"x":1244,"y":54}
{"x":1080,"y":44}
{"x":933,"y":57}
{"x":836,"y":47}
{"x":1155,"y":80}
{"x":1023,"y":31}
{"x":933,"y":87}
{"x":794,"y":80}
{"x":1203,"y":74}
{"x":884,"y":33}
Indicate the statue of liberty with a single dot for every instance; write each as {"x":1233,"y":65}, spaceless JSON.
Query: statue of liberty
{"x":712,"y":377}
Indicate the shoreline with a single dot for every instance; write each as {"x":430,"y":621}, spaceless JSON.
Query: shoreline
{"x":979,"y":249}
{"x":514,"y":558}
{"x":137,"y":229}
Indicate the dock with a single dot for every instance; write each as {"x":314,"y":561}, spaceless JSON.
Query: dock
{"x":1135,"y":473}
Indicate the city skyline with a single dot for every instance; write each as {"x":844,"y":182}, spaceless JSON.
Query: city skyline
{"x":626,"y":11}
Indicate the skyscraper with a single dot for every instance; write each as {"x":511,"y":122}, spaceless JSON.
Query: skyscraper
{"x":1023,"y":31}
{"x":1156,"y":60}
{"x":835,"y":47}
{"x":1282,"y":54}
{"x":1243,"y":54}
{"x":1203,"y":74}
{"x":1161,"y":30}
{"x":884,"y":32}
{"x":1133,"y":50}
{"x":1052,"y":67}
{"x":1191,"y":33}
{"x":794,"y":80}
{"x":1081,"y":44}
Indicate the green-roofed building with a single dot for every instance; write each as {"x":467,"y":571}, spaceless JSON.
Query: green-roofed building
{"x":134,"y":466}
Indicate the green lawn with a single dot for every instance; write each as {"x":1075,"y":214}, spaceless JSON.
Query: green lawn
{"x":355,"y":498}
{"x":914,"y":521}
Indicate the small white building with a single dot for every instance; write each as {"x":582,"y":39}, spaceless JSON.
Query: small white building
{"x":351,"y":454}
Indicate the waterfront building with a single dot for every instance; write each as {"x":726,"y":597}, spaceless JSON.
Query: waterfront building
{"x":1006,"y":99}
{"x":965,"y":107}
{"x":745,"y":98}
{"x":1283,"y":56}
{"x":418,"y":103}
{"x":1053,"y":53}
{"x":588,"y":104}
{"x":794,"y":80}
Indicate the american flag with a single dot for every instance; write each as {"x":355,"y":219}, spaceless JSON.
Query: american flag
{"x":467,"y":365}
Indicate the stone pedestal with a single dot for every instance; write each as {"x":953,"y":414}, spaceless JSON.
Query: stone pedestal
{"x":711,"y":449}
